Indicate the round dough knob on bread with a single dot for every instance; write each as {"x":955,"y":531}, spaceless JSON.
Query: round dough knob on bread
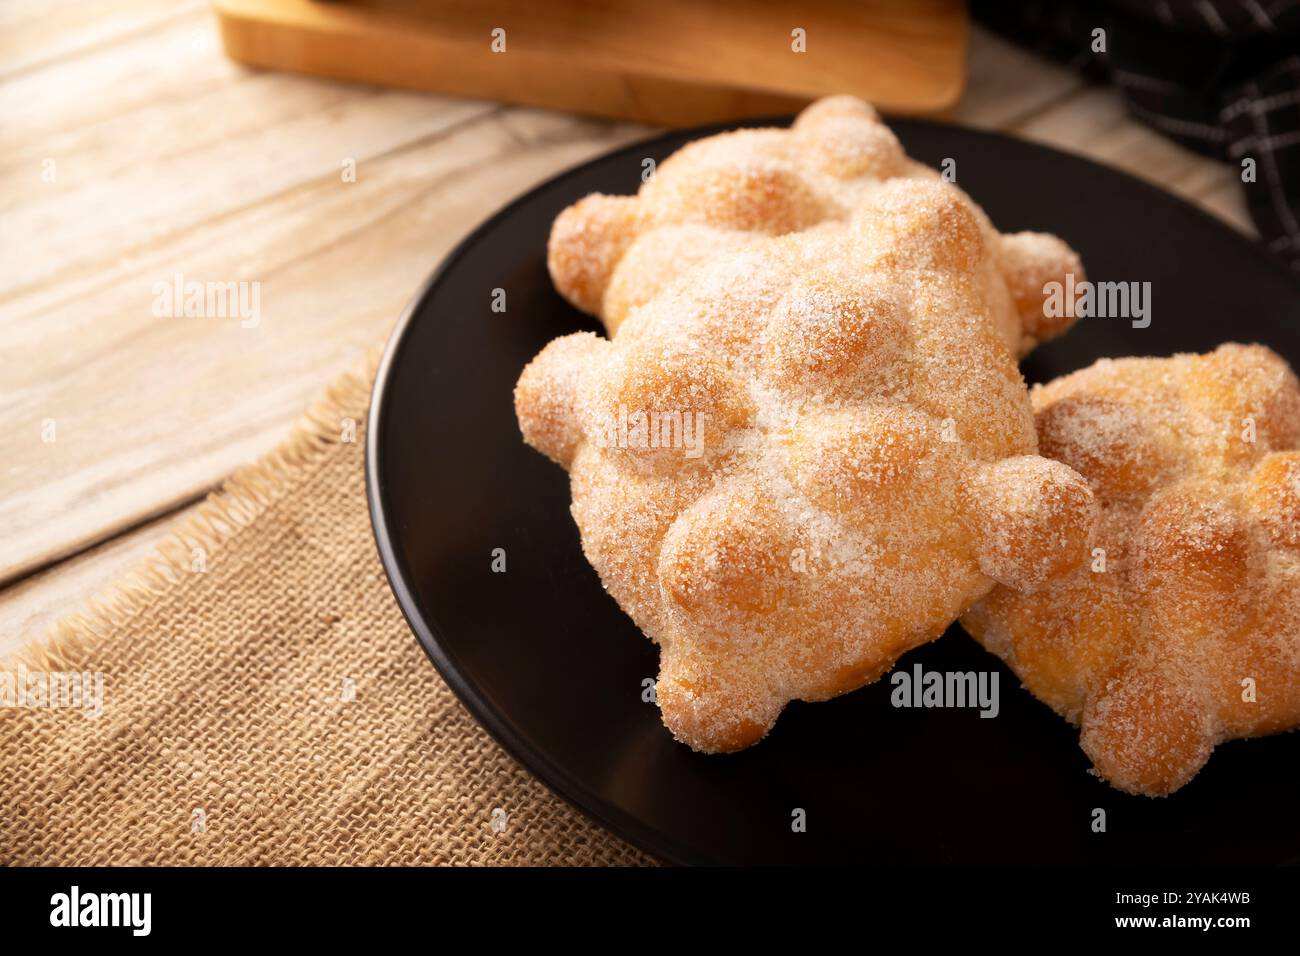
{"x":1034,"y":517}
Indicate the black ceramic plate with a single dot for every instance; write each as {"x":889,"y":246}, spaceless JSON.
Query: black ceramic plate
{"x":551,"y":666}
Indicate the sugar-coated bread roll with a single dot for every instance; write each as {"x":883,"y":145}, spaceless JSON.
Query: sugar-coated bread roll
{"x":811,"y":456}
{"x":1183,"y":630}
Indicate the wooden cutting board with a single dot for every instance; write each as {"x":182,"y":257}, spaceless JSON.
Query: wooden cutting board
{"x":670,"y":62}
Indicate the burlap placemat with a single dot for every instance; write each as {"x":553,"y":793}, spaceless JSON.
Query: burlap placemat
{"x":264,"y":702}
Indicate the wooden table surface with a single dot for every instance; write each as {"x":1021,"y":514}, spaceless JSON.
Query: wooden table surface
{"x":131,"y":151}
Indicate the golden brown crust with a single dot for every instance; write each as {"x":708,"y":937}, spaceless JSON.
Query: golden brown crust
{"x":857,"y":405}
{"x":609,"y":254}
{"x":1182,"y":632}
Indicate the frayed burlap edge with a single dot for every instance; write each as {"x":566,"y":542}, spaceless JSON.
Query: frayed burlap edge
{"x":242,"y":497}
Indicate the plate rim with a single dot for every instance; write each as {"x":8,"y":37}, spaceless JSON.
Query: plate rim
{"x":499,"y":726}
{"x":535,"y":761}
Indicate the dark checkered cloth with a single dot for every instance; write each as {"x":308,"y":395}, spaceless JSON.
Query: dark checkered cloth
{"x":1221,"y":77}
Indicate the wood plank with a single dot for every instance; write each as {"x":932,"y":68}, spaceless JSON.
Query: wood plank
{"x":150,"y":411}
{"x":34,"y":33}
{"x":87,"y":217}
{"x":1006,"y":84}
{"x":678,"y":61}
{"x":160,"y":68}
{"x":30,"y":608}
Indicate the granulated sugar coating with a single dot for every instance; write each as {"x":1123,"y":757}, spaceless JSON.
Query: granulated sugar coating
{"x":806,"y":456}
{"x":1184,"y":630}
{"x":608,"y":254}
